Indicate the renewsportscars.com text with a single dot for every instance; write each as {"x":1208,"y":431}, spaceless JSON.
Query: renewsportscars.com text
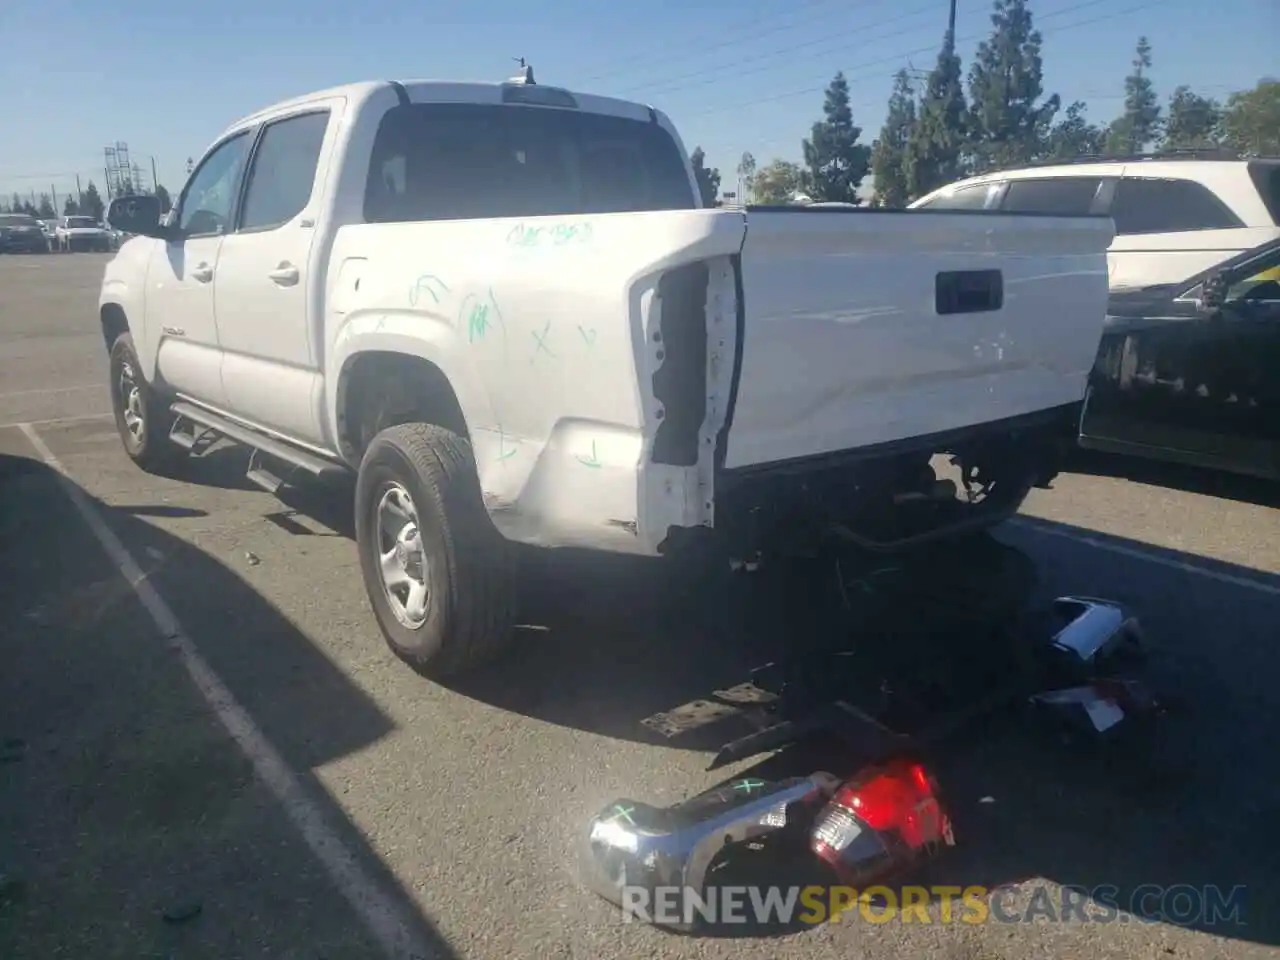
{"x":1181,"y":904}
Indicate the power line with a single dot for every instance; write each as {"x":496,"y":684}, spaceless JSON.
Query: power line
{"x":734,"y":71}
{"x":898,"y":57}
{"x":719,"y":74}
{"x":701,"y":43}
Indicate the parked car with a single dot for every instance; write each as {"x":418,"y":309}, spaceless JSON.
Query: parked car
{"x":21,"y":233}
{"x":1190,"y":371}
{"x":82,"y":233}
{"x":503,"y":311}
{"x":1173,"y":217}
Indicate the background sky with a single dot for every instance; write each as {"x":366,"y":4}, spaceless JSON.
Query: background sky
{"x":166,"y":76}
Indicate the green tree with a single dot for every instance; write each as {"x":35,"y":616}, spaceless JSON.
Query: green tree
{"x":936,"y":147}
{"x":775,"y":183}
{"x":166,"y":202}
{"x":889,"y":152}
{"x":30,"y":209}
{"x":835,"y":163}
{"x":1192,"y":122}
{"x":15,"y":205}
{"x":46,"y":211}
{"x":1074,"y":135}
{"x":708,"y":177}
{"x":1251,"y":120}
{"x":69,"y":208}
{"x":1139,"y":126}
{"x":1007,"y":126}
{"x":746,"y":176}
{"x":91,"y":204}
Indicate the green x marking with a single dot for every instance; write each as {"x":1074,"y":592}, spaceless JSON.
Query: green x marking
{"x":748,"y":785}
{"x":622,"y":813}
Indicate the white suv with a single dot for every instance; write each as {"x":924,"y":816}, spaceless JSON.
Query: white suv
{"x":1174,"y":217}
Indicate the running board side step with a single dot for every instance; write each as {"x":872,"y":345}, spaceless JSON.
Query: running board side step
{"x":263,"y":447}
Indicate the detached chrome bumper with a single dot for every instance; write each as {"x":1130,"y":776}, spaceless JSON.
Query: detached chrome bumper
{"x":633,"y":845}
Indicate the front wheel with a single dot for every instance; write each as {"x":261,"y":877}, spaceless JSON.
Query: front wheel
{"x":439,"y":575}
{"x":142,"y":416}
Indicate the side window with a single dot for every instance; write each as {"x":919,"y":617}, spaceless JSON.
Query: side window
{"x":283,"y":171}
{"x":1168,"y":206}
{"x":205,"y":207}
{"x":1060,"y":196}
{"x":965,"y":198}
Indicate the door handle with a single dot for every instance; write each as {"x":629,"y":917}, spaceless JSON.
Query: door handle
{"x":203,"y":272}
{"x":286,"y":274}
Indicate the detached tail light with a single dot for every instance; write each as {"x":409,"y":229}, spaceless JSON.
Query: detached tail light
{"x":880,"y":822}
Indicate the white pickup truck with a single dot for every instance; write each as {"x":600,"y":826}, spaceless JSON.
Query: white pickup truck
{"x":501,"y":309}
{"x":81,"y":233}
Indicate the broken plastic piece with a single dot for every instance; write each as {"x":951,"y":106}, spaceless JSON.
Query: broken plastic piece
{"x":1097,"y":708}
{"x":1096,"y":630}
{"x":881,"y":822}
{"x":633,"y":844}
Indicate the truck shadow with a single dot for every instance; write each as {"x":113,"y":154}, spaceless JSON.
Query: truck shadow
{"x":133,"y":826}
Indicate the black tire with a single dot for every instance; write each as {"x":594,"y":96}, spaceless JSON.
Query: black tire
{"x":469,"y":568}
{"x":150,"y":448}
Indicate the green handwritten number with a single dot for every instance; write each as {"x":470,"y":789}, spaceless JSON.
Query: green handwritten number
{"x":591,"y":461}
{"x":588,"y":336}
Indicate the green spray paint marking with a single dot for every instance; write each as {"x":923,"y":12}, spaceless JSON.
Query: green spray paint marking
{"x":588,"y":336}
{"x":481,"y":316}
{"x":593,"y":460}
{"x":503,"y":452}
{"x":541,"y":339}
{"x":426,"y":284}
{"x":748,"y":785}
{"x":478,"y":322}
{"x":622,"y":813}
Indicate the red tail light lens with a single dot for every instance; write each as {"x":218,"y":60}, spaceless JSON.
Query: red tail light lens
{"x":881,"y":820}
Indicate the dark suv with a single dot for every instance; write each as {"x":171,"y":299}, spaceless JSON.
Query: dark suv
{"x":20,"y":233}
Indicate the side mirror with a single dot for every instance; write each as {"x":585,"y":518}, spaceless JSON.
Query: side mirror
{"x":139,"y":215}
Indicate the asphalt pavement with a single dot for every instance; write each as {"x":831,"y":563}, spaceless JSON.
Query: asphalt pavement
{"x":207,"y":751}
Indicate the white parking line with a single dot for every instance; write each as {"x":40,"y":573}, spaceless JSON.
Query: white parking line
{"x":20,"y":424}
{"x":76,"y":386}
{"x":1043,"y":527}
{"x":375,"y":907}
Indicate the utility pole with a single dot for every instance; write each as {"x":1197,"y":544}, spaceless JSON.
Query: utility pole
{"x":79,"y":193}
{"x":155,"y":182}
{"x":951,"y":22}
{"x":54,"y":191}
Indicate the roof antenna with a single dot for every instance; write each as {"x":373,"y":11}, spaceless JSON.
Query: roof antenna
{"x":526,"y":72}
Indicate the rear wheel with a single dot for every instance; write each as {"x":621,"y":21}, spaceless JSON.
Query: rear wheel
{"x":440,"y":577}
{"x":142,"y":416}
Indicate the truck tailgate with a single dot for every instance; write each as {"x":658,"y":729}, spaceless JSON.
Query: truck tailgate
{"x":864,"y":327}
